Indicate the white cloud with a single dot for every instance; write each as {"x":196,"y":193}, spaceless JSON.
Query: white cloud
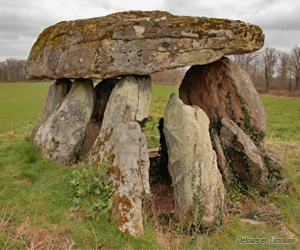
{"x":22,"y":20}
{"x":136,"y":5}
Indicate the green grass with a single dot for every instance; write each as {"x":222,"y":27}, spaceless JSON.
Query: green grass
{"x":36,"y":193}
{"x":160,"y":97}
{"x":21,"y":105}
{"x":283,"y":116}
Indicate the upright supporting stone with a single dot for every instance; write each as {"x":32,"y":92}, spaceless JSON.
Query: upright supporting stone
{"x":197,"y":182}
{"x":56,"y":93}
{"x":276,"y":179}
{"x":224,"y":167}
{"x":60,"y":135}
{"x":145,"y":97}
{"x":246,"y":161}
{"x":123,"y":146}
{"x":222,"y":88}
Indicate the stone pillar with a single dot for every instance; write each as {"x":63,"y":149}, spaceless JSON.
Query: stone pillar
{"x":222,"y":88}
{"x":123,"y":146}
{"x":197,"y":182}
{"x":244,"y":155}
{"x":64,"y":119}
{"x":56,"y":93}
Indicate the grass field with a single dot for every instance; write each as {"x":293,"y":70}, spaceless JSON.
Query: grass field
{"x":35,"y":193}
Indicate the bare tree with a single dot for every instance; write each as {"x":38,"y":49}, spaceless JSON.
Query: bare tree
{"x":270,"y":58}
{"x":246,"y":61}
{"x":283,"y":67}
{"x":12,"y":70}
{"x":295,"y":63}
{"x":249,"y":63}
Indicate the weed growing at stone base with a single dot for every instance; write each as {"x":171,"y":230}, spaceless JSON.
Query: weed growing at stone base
{"x":92,"y":190}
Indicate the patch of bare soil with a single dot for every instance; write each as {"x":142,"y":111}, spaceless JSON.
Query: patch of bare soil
{"x":28,"y":181}
{"x":162,"y":200}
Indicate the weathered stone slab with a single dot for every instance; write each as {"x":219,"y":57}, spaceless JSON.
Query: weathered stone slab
{"x":136,"y":42}
{"x":56,"y":93}
{"x":60,"y":135}
{"x":126,"y":103}
{"x":245,"y":158}
{"x":197,"y":182}
{"x":122,"y":145}
{"x":124,"y":148}
{"x":224,"y":166}
{"x":222,"y":89}
{"x":276,"y":179}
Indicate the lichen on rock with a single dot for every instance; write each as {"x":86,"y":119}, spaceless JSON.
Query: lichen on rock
{"x":136,"y":42}
{"x":61,"y":129}
{"x":123,"y":146}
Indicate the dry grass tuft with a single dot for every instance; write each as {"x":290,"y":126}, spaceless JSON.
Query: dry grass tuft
{"x":27,"y":235}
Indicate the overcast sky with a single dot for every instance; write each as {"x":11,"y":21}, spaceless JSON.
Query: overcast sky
{"x":21,"y":21}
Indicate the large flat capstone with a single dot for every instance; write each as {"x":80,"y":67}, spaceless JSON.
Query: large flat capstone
{"x":136,"y":42}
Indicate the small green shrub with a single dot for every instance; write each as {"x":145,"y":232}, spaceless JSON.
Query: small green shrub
{"x":235,"y":195}
{"x":92,"y":190}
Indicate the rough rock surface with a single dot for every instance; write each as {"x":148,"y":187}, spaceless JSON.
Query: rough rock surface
{"x":61,"y":133}
{"x":122,"y":145}
{"x":245,"y":158}
{"x":197,"y":182}
{"x":224,"y":167}
{"x":276,"y":179}
{"x":125,"y":104}
{"x":136,"y":42}
{"x":56,"y":93}
{"x":272,"y":159}
{"x":222,"y":89}
{"x":124,"y":148}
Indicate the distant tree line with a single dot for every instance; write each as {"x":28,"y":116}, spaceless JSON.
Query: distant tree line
{"x":272,"y":69}
{"x":12,"y":70}
{"x":268,"y":69}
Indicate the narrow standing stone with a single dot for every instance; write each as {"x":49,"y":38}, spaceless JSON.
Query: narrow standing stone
{"x":123,"y":146}
{"x":197,"y":182}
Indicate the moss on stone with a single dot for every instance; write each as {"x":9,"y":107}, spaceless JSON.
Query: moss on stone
{"x":88,"y":38}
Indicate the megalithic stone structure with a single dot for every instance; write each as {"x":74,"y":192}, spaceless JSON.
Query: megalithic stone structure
{"x":103,"y":124}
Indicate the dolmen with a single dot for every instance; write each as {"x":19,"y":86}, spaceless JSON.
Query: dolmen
{"x":214,"y":130}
